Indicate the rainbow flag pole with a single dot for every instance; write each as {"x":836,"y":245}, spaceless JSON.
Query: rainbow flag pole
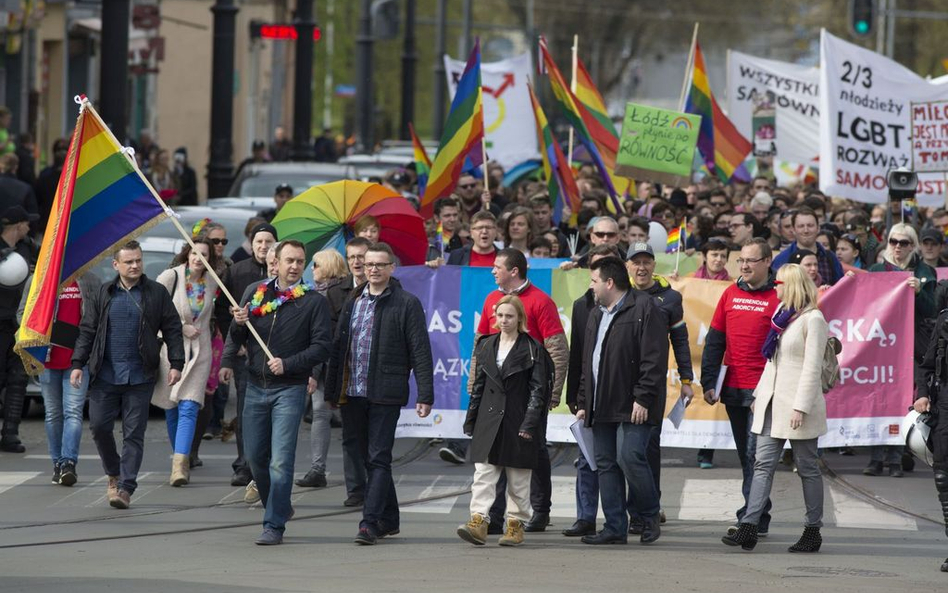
{"x":572,"y":87}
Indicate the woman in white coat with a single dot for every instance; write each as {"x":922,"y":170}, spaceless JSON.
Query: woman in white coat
{"x":192,"y":292}
{"x":789,"y":405}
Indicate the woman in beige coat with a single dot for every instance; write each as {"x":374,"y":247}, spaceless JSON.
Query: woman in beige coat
{"x":789,"y":405}
{"x":192,"y":292}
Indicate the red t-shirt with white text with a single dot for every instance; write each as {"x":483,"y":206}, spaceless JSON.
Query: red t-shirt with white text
{"x":68,"y":310}
{"x":744,"y":317}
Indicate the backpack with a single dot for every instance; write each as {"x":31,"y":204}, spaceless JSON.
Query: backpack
{"x":829,"y":372}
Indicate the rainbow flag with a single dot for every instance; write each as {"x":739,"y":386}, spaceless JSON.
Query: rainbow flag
{"x":578,"y":117}
{"x":422,"y":162}
{"x":462,"y":136}
{"x":559,"y":177}
{"x":722,"y":147}
{"x":101,"y":202}
{"x":601,"y":126}
{"x":676,"y":239}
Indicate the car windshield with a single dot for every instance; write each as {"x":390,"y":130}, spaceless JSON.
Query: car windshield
{"x":265,"y":183}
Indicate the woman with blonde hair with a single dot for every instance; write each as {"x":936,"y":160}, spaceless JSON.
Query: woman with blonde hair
{"x":329,"y":270}
{"x":789,"y":405}
{"x":510,"y":395}
{"x":901,"y":255}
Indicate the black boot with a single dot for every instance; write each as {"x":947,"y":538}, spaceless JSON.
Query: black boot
{"x":941,"y":486}
{"x":10,"y":437}
{"x":809,"y":542}
{"x":746,"y":537}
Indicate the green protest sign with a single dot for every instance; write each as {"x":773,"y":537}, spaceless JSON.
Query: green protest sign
{"x":657,"y":144}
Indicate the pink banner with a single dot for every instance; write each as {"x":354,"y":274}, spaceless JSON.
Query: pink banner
{"x":873,"y":316}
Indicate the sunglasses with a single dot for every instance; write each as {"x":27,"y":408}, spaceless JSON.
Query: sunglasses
{"x":219,"y":241}
{"x":900,"y":242}
{"x":604,"y":235}
{"x":718,"y":204}
{"x":468,"y":186}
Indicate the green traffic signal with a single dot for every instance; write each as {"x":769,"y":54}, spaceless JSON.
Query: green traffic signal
{"x":862,"y":27}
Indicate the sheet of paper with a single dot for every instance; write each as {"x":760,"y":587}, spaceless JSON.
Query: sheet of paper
{"x":720,"y":382}
{"x":584,"y":438}
{"x":677,"y":413}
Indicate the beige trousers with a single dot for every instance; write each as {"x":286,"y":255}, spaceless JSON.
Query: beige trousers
{"x":518,"y":490}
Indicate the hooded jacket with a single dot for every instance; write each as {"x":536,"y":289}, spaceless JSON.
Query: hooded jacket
{"x":669,"y":302}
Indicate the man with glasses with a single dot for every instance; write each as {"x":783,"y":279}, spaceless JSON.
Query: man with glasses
{"x":381,"y":339}
{"x":719,"y":201}
{"x":741,"y":228}
{"x":605,"y":231}
{"x":472,"y":198}
{"x":733,"y":345}
{"x":806,"y":227}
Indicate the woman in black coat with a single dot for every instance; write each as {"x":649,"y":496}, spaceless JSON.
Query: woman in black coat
{"x":511,"y":392}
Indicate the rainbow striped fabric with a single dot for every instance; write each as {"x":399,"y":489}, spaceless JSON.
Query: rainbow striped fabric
{"x":722,"y":147}
{"x":676,"y":239}
{"x":578,"y":117}
{"x":560,"y":182}
{"x":462,"y":136}
{"x":102,"y":201}
{"x":600,"y":126}
{"x":422,"y":162}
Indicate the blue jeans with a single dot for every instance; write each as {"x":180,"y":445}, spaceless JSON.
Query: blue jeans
{"x":271,"y":424}
{"x":373,"y":426}
{"x":63,"y":404}
{"x":106,"y":403}
{"x":621,"y":456}
{"x":587,"y":491}
{"x":742,"y":419}
{"x":181,"y":421}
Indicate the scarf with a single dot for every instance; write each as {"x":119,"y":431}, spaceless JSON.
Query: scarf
{"x":704,"y":274}
{"x":778,"y":323}
{"x":322,"y":287}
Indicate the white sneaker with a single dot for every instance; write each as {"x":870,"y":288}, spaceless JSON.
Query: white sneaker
{"x":250,"y":493}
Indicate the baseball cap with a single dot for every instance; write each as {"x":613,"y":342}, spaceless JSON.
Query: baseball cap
{"x":16,"y":214}
{"x":637,"y":248}
{"x":283,"y":187}
{"x":932,"y":235}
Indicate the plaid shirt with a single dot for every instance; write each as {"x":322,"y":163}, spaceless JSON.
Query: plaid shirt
{"x":360,"y":330}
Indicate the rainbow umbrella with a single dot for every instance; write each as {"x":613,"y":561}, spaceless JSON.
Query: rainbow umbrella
{"x":322,"y":217}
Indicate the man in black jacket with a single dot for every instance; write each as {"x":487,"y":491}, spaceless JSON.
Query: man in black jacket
{"x":293,"y":320}
{"x":587,"y":482}
{"x":641,"y":266}
{"x":381,"y":338}
{"x":118,"y":342}
{"x":621,"y":394}
{"x":237,"y":278}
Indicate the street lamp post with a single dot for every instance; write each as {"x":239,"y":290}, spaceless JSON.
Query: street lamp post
{"x":220,"y":168}
{"x":303,"y":83}
{"x":364,"y":100}
{"x":409,"y":57}
{"x":113,"y":78}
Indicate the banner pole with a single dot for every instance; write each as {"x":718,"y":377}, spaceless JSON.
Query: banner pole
{"x":174,"y":220}
{"x":484,"y":156}
{"x":688,"y":69}
{"x":572,"y":88}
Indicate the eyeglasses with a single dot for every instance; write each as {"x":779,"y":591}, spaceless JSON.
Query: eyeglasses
{"x":219,"y":241}
{"x":356,"y":258}
{"x":903,"y":243}
{"x":741,"y":261}
{"x":718,"y":204}
{"x":735,"y":225}
{"x":604,"y":235}
{"x":467,"y":186}
{"x":378,"y":266}
{"x":482,"y":229}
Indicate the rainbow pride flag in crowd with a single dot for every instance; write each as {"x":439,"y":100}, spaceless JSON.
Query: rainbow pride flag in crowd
{"x":721,"y":145}
{"x":422,"y":162}
{"x":578,"y":116}
{"x":102,"y":201}
{"x":560,"y":182}
{"x":462,"y":137}
{"x":676,"y":239}
{"x":600,"y":126}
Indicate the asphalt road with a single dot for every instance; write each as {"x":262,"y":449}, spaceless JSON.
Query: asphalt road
{"x":881,"y":534}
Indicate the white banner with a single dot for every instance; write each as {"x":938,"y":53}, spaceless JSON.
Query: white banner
{"x":796,"y":91}
{"x":866,"y":123}
{"x":508,"y":114}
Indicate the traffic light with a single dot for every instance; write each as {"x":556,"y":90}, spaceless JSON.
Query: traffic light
{"x":862,"y":16}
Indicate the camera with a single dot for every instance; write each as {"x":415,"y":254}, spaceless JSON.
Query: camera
{"x":902,"y":183}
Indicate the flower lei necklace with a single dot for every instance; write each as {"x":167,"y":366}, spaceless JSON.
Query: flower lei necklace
{"x":259,"y":310}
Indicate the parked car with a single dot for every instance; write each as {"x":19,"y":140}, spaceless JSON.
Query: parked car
{"x":233,"y":219}
{"x":259,"y":180}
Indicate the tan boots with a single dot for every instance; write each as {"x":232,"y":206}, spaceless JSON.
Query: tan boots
{"x":513,"y":536}
{"x":475,"y":530}
{"x":180,"y":469}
